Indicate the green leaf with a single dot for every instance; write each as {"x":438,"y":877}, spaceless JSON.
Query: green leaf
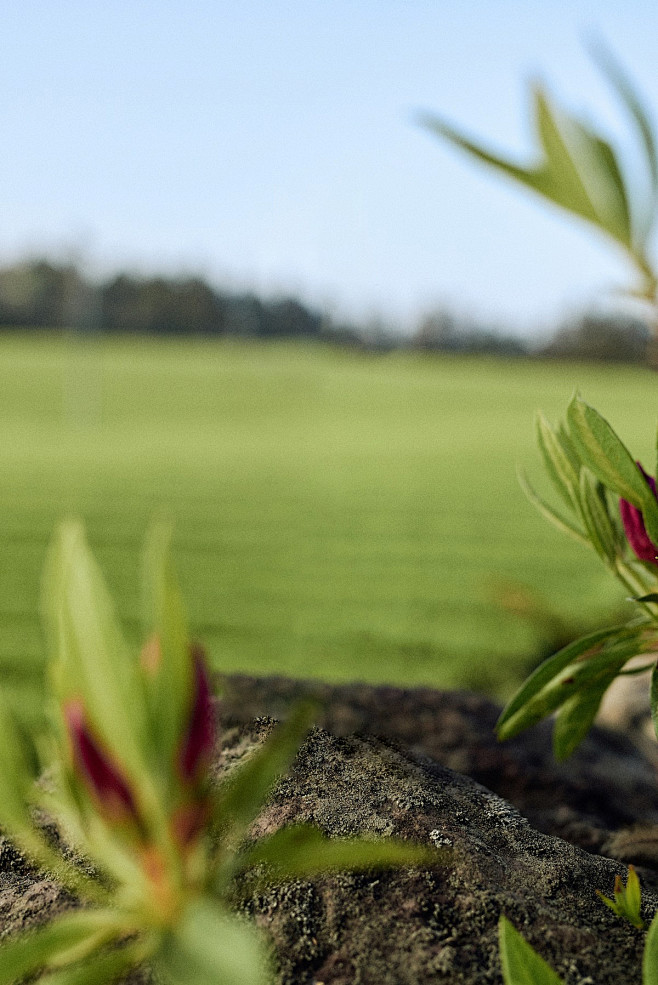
{"x":596,"y":518}
{"x":242,"y":795}
{"x":576,"y":169}
{"x":576,"y":716}
{"x":303,"y":851}
{"x":583,"y":171}
{"x":521,"y":965}
{"x":650,"y":956}
{"x":610,"y":461}
{"x":631,"y":100}
{"x":69,"y":938}
{"x":166,"y":663}
{"x":654,"y":698}
{"x":101,"y":969}
{"x":549,"y":513}
{"x":537,"y":696}
{"x":559,"y":464}
{"x":91,"y":661}
{"x":212,"y":947}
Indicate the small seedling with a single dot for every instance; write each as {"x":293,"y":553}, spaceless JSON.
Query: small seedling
{"x":147,"y":844}
{"x":627,"y":900}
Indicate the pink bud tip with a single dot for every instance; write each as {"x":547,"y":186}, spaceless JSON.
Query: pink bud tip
{"x":633,"y":522}
{"x":100,"y":774}
{"x":200,"y":735}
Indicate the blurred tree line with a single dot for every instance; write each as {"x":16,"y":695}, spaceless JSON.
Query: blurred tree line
{"x":42,"y":294}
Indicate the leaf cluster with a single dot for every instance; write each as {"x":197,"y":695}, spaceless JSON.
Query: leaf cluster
{"x":129,"y":791}
{"x":578,"y":169}
{"x":591,"y":470}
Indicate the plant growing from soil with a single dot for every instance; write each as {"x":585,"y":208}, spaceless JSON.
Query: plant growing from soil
{"x":116,"y":800}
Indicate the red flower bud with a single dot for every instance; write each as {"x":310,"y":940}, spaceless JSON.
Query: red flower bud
{"x":101,"y":775}
{"x":200,"y":734}
{"x":634,"y":527}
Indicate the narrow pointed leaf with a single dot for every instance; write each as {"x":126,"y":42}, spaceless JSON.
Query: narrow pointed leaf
{"x":559,"y":521}
{"x":596,"y":519}
{"x":303,"y":851}
{"x":515,"y":717}
{"x":166,"y":664}
{"x":91,"y":659}
{"x":650,"y":956}
{"x":631,"y":100}
{"x":576,"y":716}
{"x":610,"y":461}
{"x":211,"y":946}
{"x":569,"y":189}
{"x":559,"y":465}
{"x":241,"y":797}
{"x":521,"y":965}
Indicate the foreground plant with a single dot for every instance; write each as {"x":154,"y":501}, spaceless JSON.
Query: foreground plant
{"x":148,"y":846}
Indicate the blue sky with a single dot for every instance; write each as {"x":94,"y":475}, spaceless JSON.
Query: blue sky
{"x":274,"y":145}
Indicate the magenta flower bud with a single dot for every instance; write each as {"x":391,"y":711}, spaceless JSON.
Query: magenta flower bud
{"x":200,"y":734}
{"x":95,"y":767}
{"x":634,"y":527}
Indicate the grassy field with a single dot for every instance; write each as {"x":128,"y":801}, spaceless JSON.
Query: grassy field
{"x":338,"y":515}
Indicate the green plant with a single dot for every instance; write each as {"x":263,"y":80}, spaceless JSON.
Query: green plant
{"x":521,"y":965}
{"x":578,"y":169}
{"x":627,"y":899}
{"x":145,"y":842}
{"x":611,"y":505}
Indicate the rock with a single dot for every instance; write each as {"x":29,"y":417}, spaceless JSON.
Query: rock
{"x":411,"y":927}
{"x":392,"y":761}
{"x":608,"y":785}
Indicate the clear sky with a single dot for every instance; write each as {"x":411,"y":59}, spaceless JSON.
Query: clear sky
{"x":273,"y":144}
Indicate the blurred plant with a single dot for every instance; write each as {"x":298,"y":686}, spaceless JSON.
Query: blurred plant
{"x":612,"y":507}
{"x":578,"y":169}
{"x":148,"y":845}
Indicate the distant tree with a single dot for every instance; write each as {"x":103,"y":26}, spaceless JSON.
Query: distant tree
{"x":600,"y":338}
{"x":38,"y":293}
{"x":441,"y":331}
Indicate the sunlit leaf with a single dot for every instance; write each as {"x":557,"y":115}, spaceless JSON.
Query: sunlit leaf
{"x":521,"y":965}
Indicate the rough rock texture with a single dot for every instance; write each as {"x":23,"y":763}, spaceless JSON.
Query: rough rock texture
{"x":413,"y":927}
{"x":391,"y":761}
{"x":609,"y":785}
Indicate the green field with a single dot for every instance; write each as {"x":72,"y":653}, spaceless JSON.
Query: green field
{"x":338,"y":514}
